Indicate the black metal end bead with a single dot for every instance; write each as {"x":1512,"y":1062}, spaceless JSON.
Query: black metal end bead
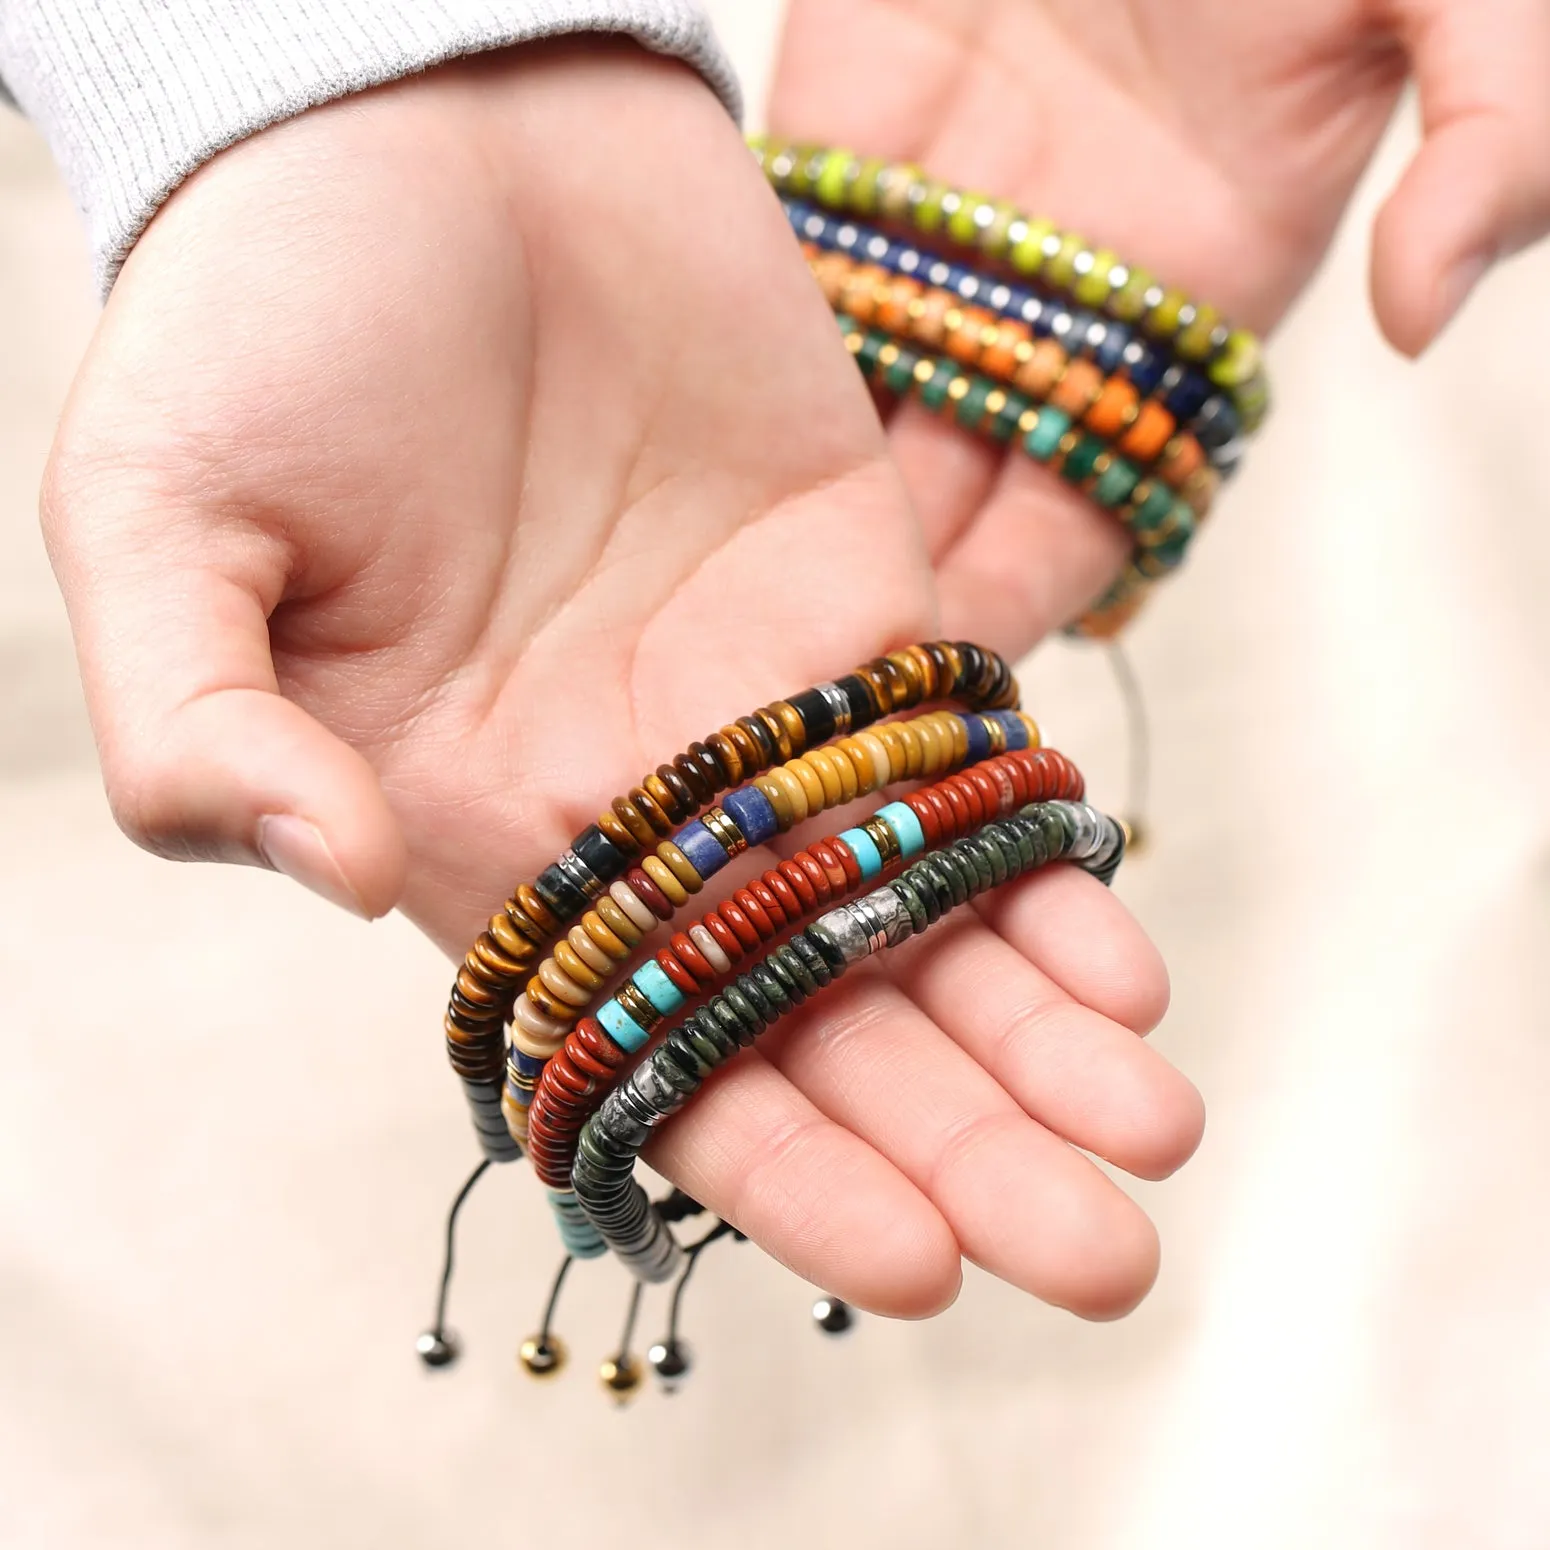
{"x":832,"y":1316}
{"x":438,"y":1348}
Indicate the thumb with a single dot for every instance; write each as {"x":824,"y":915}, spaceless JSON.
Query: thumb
{"x":1479,"y":186}
{"x":202,"y":757}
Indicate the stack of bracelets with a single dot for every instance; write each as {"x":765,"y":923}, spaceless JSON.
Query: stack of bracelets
{"x":1134,"y":394}
{"x":1026,"y":336}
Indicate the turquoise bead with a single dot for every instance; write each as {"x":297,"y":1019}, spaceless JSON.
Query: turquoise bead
{"x":1043,"y":441}
{"x":904,"y":823}
{"x":622,"y":1028}
{"x":657,"y":988}
{"x":864,"y":850}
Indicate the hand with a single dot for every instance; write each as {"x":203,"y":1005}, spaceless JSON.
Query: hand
{"x":1215,"y":143}
{"x":447,"y":458}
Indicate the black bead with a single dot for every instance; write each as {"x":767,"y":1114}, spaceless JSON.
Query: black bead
{"x":864,"y":709}
{"x":832,"y":1316}
{"x":670,"y":1361}
{"x":560,"y":893}
{"x":817,"y":715}
{"x":438,"y":1348}
{"x":599,"y":854}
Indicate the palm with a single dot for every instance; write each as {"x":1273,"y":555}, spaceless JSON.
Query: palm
{"x":1214,"y":143}
{"x":516,"y":520}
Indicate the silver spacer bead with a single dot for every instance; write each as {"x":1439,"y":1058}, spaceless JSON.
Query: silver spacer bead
{"x":838,"y":702}
{"x":580,"y":873}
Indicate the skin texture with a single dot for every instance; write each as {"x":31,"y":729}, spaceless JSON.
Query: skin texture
{"x":1214,"y":142}
{"x":446,"y":458}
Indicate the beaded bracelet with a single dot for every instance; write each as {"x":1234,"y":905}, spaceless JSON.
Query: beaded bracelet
{"x":815,"y":781}
{"x":1031,"y":246}
{"x":576,"y":1080}
{"x":1174,"y":388}
{"x":818,"y":779}
{"x":603,"y":1176}
{"x":1161,"y":523}
{"x":506,"y":951}
{"x":1108,"y":407}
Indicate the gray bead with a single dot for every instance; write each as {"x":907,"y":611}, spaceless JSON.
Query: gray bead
{"x":846,"y":932}
{"x":884,"y":918}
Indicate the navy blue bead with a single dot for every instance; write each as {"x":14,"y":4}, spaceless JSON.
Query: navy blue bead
{"x":1108,"y":347}
{"x":1145,"y":366}
{"x":1184,"y":392}
{"x":979,"y":739}
{"x":1012,"y":725}
{"x":1071,"y":331}
{"x":1216,"y":424}
{"x":750,"y":810}
{"x":702,"y":848}
{"x":1037,"y":313}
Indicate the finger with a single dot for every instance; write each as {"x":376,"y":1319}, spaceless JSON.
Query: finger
{"x":1479,"y":186}
{"x":1020,"y":1202}
{"x":1078,"y":1073}
{"x":202,"y":758}
{"x":1034,"y":557}
{"x":1073,"y":929}
{"x":752,"y":1149}
{"x":949,"y":474}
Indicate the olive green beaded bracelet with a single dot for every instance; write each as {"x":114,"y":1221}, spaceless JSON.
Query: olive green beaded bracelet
{"x":1032,"y":247}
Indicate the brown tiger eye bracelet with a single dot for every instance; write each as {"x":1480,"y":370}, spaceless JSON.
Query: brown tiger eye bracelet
{"x":517,"y":936}
{"x":577,"y":1079}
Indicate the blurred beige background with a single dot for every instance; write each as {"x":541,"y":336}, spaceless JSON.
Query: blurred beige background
{"x":218,"y":1223}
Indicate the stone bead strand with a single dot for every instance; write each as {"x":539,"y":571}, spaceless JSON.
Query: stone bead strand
{"x":579,"y":1076}
{"x":1108,"y":407}
{"x":1041,"y":334}
{"x":821,"y":778}
{"x":1161,"y":523}
{"x":1032,"y":247}
{"x":506,"y":952}
{"x":603,"y":1175}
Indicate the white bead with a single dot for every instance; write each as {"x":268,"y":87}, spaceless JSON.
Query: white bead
{"x":627,"y":900}
{"x":712,"y":949}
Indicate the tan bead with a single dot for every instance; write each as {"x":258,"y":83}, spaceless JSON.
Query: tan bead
{"x":822,"y":762}
{"x":860,"y":760}
{"x":812,"y":787}
{"x":596,"y":928}
{"x":793,"y":789}
{"x":882,"y":763}
{"x":680,"y":866}
{"x":560,"y":985}
{"x":775,"y":794}
{"x":618,"y":922}
{"x":656,"y":869}
{"x":575,"y":968}
{"x":528,"y":1020}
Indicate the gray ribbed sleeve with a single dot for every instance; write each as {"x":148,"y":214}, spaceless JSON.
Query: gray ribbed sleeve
{"x":132,"y":95}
